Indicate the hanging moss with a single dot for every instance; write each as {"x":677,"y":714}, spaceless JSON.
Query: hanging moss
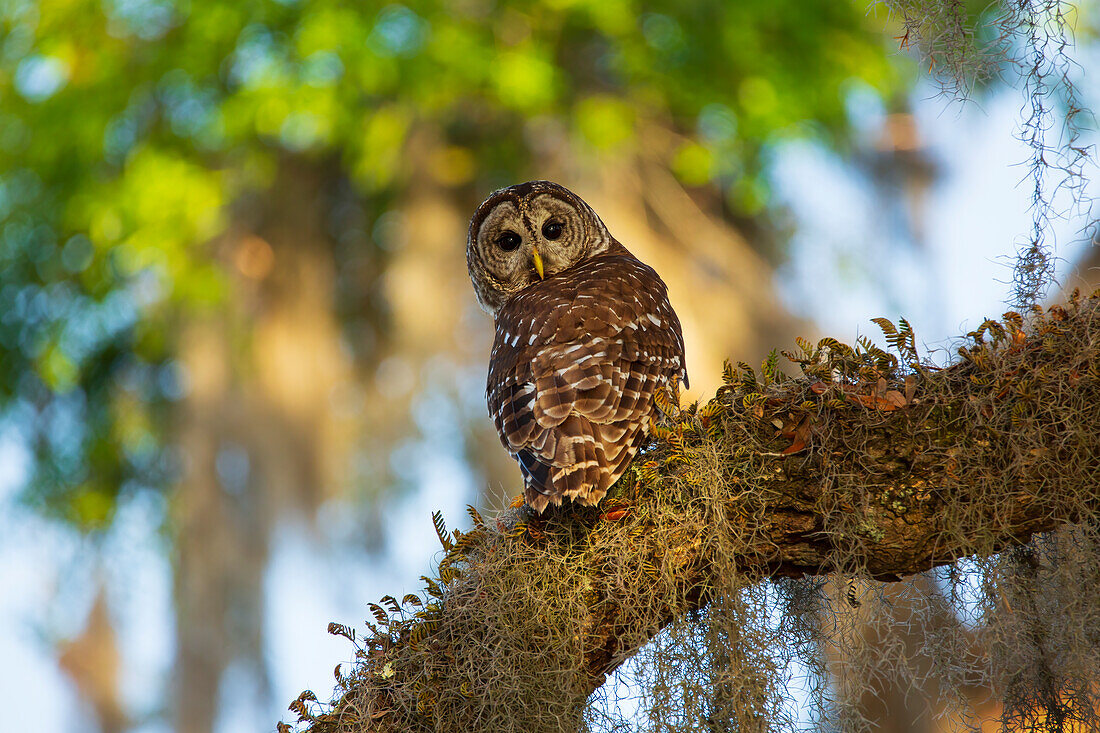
{"x":705,"y":566}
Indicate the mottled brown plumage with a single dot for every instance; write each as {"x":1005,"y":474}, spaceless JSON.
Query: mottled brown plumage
{"x":580,"y":349}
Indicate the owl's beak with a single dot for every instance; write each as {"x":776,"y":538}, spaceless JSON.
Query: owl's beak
{"x":538,"y":262}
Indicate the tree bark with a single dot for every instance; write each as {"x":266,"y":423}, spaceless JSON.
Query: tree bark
{"x":883,"y":472}
{"x":896,"y":479}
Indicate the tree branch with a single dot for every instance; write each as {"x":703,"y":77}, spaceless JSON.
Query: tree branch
{"x":870,"y":463}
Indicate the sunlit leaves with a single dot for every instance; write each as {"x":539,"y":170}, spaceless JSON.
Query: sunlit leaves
{"x":91,"y":507}
{"x":129,"y":130}
{"x":693,"y":163}
{"x":605,"y":121}
{"x":383,"y":134}
{"x":525,"y":79}
{"x":56,"y":368}
{"x":329,"y":29}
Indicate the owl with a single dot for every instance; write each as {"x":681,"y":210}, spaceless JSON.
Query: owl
{"x":585,"y":336}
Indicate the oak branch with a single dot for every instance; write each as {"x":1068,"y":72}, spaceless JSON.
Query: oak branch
{"x":869,"y":462}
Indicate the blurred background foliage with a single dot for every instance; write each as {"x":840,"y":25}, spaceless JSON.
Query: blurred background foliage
{"x":137,"y":134}
{"x":231,"y":250}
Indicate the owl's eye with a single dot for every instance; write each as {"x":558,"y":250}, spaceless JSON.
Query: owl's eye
{"x":508,"y":241}
{"x":551,"y":229}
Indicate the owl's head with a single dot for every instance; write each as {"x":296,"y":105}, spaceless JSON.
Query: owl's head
{"x":526,"y":233}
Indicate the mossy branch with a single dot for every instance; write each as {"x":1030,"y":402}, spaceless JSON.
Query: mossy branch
{"x":870,"y":463}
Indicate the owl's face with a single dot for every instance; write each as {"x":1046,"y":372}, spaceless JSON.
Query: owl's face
{"x":526,"y":233}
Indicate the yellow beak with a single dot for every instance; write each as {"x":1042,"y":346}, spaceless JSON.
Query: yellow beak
{"x":538,"y":263}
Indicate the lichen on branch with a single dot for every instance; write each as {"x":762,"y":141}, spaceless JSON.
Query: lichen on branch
{"x":871,"y":464}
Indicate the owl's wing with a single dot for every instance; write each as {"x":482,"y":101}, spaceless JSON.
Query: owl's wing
{"x":572,"y":393}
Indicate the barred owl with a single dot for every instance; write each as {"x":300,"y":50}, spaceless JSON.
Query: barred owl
{"x":585,"y":337}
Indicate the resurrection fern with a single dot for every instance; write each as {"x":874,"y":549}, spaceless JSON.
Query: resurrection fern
{"x":900,"y":338}
{"x":441,"y":530}
{"x":758,"y":539}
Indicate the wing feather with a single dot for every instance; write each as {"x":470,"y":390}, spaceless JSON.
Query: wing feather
{"x":572,"y":399}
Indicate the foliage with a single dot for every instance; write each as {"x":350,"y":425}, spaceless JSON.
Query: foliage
{"x":127,"y":131}
{"x":871,"y":465}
